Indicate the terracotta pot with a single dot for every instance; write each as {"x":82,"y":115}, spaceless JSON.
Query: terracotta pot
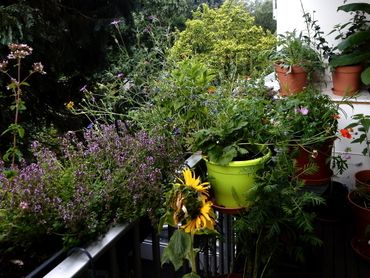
{"x":361,"y":215}
{"x":293,"y":82}
{"x":363,"y":179}
{"x":321,"y":159}
{"x":346,"y":80}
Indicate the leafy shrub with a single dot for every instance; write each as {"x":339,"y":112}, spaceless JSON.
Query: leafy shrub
{"x":225,"y":39}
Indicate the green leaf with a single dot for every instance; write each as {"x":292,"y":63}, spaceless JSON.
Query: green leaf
{"x":355,"y":7}
{"x":25,"y":84}
{"x":178,"y":249}
{"x":229,"y":153}
{"x":354,"y":40}
{"x":360,"y":139}
{"x":365,"y":76}
{"x":20,"y":130}
{"x":349,"y":59}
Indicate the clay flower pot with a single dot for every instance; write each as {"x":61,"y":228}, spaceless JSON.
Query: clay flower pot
{"x":291,"y":82}
{"x":361,"y":215}
{"x":322,"y":160}
{"x":346,"y":80}
{"x":363,"y":179}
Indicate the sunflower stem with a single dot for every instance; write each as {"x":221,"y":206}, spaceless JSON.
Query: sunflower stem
{"x":192,"y":255}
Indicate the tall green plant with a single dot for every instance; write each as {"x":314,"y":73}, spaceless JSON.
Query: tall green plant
{"x":279,"y":221}
{"x":225,"y":39}
{"x":17,"y":53}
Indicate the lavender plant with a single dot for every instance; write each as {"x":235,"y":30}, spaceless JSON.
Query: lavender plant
{"x":109,"y":176}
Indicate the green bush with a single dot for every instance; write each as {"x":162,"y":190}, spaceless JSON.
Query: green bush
{"x":225,"y":39}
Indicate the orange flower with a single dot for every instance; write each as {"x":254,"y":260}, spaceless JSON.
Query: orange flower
{"x":346,"y":133}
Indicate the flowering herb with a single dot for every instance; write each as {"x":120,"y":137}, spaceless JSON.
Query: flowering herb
{"x":17,"y":53}
{"x":190,"y":211}
{"x":108,"y":177}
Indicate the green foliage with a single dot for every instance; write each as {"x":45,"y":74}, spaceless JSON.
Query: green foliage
{"x":279,"y":223}
{"x":261,"y":10}
{"x":225,"y":39}
{"x":237,"y":124}
{"x":310,"y":116}
{"x":182,"y":100}
{"x":180,"y":248}
{"x":362,"y":123}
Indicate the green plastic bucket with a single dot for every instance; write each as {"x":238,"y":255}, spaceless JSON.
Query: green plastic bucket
{"x":231,"y":183}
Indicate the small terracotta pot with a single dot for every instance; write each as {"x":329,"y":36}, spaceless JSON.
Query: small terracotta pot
{"x":363,"y":179}
{"x":293,"y":82}
{"x":346,"y":80}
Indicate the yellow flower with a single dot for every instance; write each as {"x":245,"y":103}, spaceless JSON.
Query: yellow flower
{"x":70,"y":105}
{"x":190,"y":180}
{"x":204,"y":220}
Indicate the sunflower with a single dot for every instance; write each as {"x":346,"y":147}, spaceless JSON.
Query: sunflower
{"x":204,"y":220}
{"x":189,"y":206}
{"x":192,"y":181}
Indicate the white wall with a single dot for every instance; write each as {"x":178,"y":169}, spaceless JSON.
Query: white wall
{"x":289,"y":15}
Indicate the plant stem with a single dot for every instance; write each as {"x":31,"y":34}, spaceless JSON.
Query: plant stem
{"x":17,"y":95}
{"x":193,"y":256}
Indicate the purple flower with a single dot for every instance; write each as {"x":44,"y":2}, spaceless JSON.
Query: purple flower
{"x":120,"y":75}
{"x":83,"y":89}
{"x":303,"y":110}
{"x":116,"y":22}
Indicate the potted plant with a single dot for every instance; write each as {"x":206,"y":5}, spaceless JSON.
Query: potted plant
{"x":235,"y":145}
{"x":295,"y":62}
{"x":352,"y":54}
{"x":349,"y":59}
{"x":310,"y":120}
{"x":359,"y":198}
